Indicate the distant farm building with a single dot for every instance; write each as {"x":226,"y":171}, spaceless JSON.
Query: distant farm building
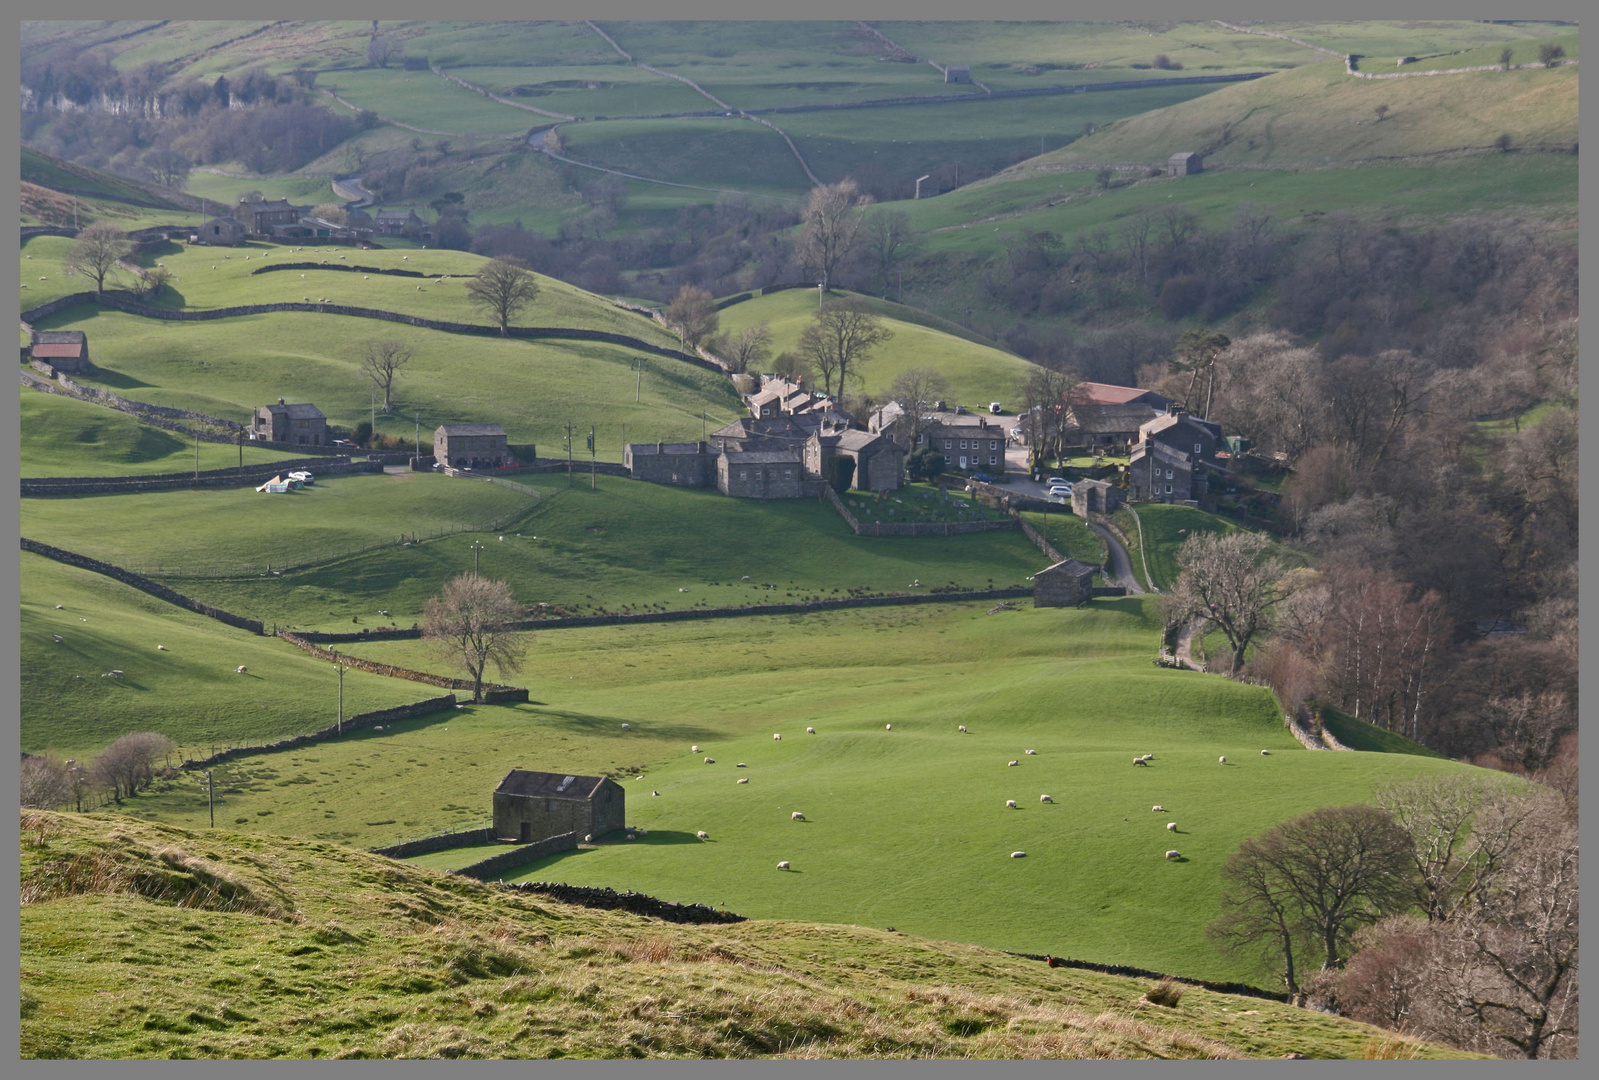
{"x":777,"y":473}
{"x":397,"y":223}
{"x":970,"y":442}
{"x":879,"y":462}
{"x":261,"y":217}
{"x":302,"y":425}
{"x":1069,"y":583}
{"x":958,"y":73}
{"x":64,"y":350}
{"x":533,"y":806}
{"x":470,"y":446}
{"x":1096,"y":497}
{"x":221,"y":231}
{"x":681,"y":464}
{"x":1184,"y":164}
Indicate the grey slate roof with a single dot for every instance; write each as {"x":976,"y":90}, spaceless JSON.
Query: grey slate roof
{"x":58,"y":337}
{"x":665,"y":448}
{"x":298,"y":412}
{"x":762,"y":457}
{"x":1069,"y":567}
{"x":543,"y":785}
{"x":1128,"y":417}
{"x":471,"y":429}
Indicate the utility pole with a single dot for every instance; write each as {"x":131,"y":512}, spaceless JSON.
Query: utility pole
{"x":197,"y":455}
{"x":919,"y":180}
{"x":374,"y":419}
{"x":821,"y":287}
{"x":477,"y":556}
{"x":74,"y":213}
{"x":638,"y":387}
{"x":568,"y":453}
{"x":702,"y":427}
{"x":241,"y":450}
{"x":592,"y":454}
{"x":418,"y":434}
{"x":342,"y":668}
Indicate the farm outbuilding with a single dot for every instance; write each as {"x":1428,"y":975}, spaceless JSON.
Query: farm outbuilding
{"x":1184,"y":164}
{"x":227,"y":231}
{"x":1068,"y":583}
{"x":532,"y":806}
{"x":64,"y":350}
{"x":958,"y":73}
{"x":473,"y":446}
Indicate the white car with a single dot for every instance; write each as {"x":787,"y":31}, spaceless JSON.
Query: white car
{"x":1053,"y":481}
{"x":1062,"y":491}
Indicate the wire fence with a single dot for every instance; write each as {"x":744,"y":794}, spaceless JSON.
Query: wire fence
{"x":201,"y":569}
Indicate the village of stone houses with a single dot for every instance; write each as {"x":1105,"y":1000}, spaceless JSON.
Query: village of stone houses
{"x":817,"y":539}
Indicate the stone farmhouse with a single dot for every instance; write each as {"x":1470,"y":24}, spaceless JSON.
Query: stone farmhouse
{"x":397,"y":222}
{"x":221,"y":232}
{"x":470,"y":446}
{"x":970,"y":442}
{"x":1068,"y":583}
{"x":1173,"y":459}
{"x":780,"y":397}
{"x":1109,"y":417}
{"x":533,"y":806}
{"x":260,"y":218}
{"x":681,"y":464}
{"x":301,"y":425}
{"x":778,"y":473}
{"x":879,"y":462}
{"x":64,"y":350}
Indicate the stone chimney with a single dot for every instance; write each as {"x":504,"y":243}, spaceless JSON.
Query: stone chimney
{"x":280,"y":401}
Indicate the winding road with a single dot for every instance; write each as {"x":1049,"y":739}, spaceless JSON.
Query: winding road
{"x":1120,"y":567}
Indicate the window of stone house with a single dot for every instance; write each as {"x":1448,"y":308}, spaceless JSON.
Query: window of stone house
{"x":949,"y":444}
{"x":788,"y":474}
{"x":993,"y":459}
{"x":963,"y":444}
{"x":1168,"y":474}
{"x":993,"y":444}
{"x":1199,"y":448}
{"x":743,"y":474}
{"x":1168,"y":489}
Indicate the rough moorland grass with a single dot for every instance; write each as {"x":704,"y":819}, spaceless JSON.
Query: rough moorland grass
{"x":905,"y":828}
{"x":229,"y":367}
{"x":189,"y":692}
{"x":53,"y":172}
{"x":438,"y":967}
{"x":1521,"y":52}
{"x":1318,"y":113}
{"x":627,"y":546}
{"x":45,"y":206}
{"x":201,"y":529}
{"x":63,"y":436}
{"x":977,"y":374}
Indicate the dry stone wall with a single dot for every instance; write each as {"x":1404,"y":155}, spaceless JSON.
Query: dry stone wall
{"x":352,"y":723}
{"x":493,"y":693}
{"x":441,"y":842}
{"x":249,"y":477}
{"x":518,"y":856}
{"x":913,"y":528}
{"x":143,"y":584}
{"x":635,"y":903}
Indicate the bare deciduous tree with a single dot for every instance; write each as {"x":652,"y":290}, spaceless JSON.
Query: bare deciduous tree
{"x":474,"y":624}
{"x":1044,"y":397}
{"x":169,"y":166}
{"x":692,"y":313}
{"x":1463,"y":831}
{"x":840,"y":338}
{"x":96,"y":252}
{"x":503,"y":288}
{"x":1135,"y":231}
{"x":750,"y":347}
{"x":1229,"y":580}
{"x":915,"y":389}
{"x":129,"y":763}
{"x":888,"y":240}
{"x":832,"y":227}
{"x":382,"y":48}
{"x":45,"y":785}
{"x":381,"y":362}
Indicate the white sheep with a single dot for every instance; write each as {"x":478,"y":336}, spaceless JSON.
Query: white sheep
{"x":627,"y":727}
{"x":1222,"y":759}
{"x":741,"y":765}
{"x":655,"y":793}
{"x":1174,"y":854}
{"x":1149,"y":757}
{"x":888,"y":727}
{"x":419,"y":288}
{"x":1029,"y":751}
{"x":777,"y":738}
{"x":744,"y":780}
{"x":1171,"y":826}
{"x":160,"y":648}
{"x":710,"y":761}
{"x":1265,"y":753}
{"x":797,"y":816}
{"x":1018,"y":854}
{"x":1011,"y":803}
{"x":746,"y":577}
{"x":783,"y":865}
{"x":703,"y":835}
{"x":302,"y":275}
{"x":58,"y":637}
{"x":961,"y":728}
{"x":1045,"y":798}
{"x":1157,"y":809}
{"x":694,"y":749}
{"x":404,"y":258}
{"x":643,"y":832}
{"x":240,"y":670}
{"x":1012,"y":762}
{"x":1140,"y":761}
{"x":810,"y":731}
{"x":366,"y":277}
{"x":630,"y":836}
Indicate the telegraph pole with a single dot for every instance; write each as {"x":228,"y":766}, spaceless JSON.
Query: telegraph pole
{"x":211,"y":798}
{"x":477,"y":556}
{"x":418,"y":434}
{"x":638,"y":387}
{"x":568,"y":453}
{"x":592,"y":453}
{"x":197,"y":455}
{"x":342,"y":668}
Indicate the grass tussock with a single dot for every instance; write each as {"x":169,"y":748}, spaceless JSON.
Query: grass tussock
{"x":1391,"y":1048}
{"x":1167,"y":992}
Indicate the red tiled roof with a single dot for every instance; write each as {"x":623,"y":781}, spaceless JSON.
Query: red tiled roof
{"x":1097,"y":393}
{"x":73,"y":350}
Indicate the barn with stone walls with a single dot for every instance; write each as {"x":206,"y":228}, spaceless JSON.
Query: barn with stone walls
{"x":531,"y":806}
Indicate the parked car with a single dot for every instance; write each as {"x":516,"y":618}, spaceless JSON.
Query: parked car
{"x":1061,"y":491}
{"x":302,"y":476}
{"x":982,"y":478}
{"x":1053,"y":480}
{"x":996,"y":408}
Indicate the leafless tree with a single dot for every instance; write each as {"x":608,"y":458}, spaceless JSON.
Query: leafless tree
{"x":832,"y":226}
{"x":382,"y":48}
{"x":474,"y":624}
{"x":154,"y":281}
{"x":169,"y":166}
{"x":1179,"y":224}
{"x":129,"y":763}
{"x":45,"y":785}
{"x":887,"y":240}
{"x":96,"y":252}
{"x":1044,"y":397}
{"x":503,"y":288}
{"x":381,"y":362}
{"x":692,"y":313}
{"x":915,"y":389}
{"x":331,"y":212}
{"x":1313,"y":882}
{"x":750,"y":347}
{"x":1135,"y":231}
{"x":791,"y":366}
{"x":841,"y":337}
{"x":1463,"y":831}
{"x":1229,"y":580}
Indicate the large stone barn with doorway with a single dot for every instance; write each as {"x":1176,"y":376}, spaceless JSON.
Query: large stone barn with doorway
{"x":531,"y":806}
{"x":1068,"y":583}
{"x":470,"y":446}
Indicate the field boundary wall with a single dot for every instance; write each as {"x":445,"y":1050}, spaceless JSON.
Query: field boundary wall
{"x":143,"y":584}
{"x":1242,"y":989}
{"x":913,"y":528}
{"x":493,"y":693}
{"x":351,"y":723}
{"x":632,"y":902}
{"x":483,"y":869}
{"x":441,"y":842}
{"x":230,"y":477}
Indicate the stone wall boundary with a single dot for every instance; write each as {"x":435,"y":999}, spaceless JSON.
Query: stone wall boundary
{"x":351,"y":723}
{"x":913,"y":528}
{"x":493,"y":693}
{"x":441,"y":842}
{"x":631,"y":902}
{"x":518,"y":856}
{"x":1038,"y":539}
{"x":44,"y":486}
{"x":143,"y":584}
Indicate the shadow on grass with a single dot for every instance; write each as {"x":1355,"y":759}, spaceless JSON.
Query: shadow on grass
{"x":589,"y":724}
{"x":670,"y":837}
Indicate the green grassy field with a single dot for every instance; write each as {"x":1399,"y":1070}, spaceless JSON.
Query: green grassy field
{"x":1068,"y":534}
{"x":229,"y":367}
{"x":717,"y":152}
{"x":189,"y":692}
{"x":1359,"y":735}
{"x":627,"y":545}
{"x":905,"y":828}
{"x":1379,"y":38}
{"x":428,"y":966}
{"x":224,"y":191}
{"x":60,"y":175}
{"x":63,"y":436}
{"x":423,"y":99}
{"x":1165,"y":528}
{"x":587,"y":90}
{"x":1521,"y":52}
{"x":976,"y":373}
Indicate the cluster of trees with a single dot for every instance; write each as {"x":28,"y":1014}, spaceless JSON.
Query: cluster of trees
{"x":1447,"y":911}
{"x":120,"y":771}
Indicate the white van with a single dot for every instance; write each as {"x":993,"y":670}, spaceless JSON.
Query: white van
{"x":995,"y":408}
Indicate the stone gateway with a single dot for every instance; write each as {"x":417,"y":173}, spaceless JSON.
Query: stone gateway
{"x":532,"y":806}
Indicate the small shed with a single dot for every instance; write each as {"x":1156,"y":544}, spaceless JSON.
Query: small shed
{"x":470,"y":446}
{"x":64,"y":350}
{"x":1184,"y":164}
{"x":1095,"y":497}
{"x":532,"y":806}
{"x":1069,"y":583}
{"x":958,"y":73}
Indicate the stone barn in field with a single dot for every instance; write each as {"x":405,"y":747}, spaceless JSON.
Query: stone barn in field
{"x":958,"y":73}
{"x":225,"y":231}
{"x":1069,"y":583}
{"x":470,"y":446}
{"x":1184,"y":164}
{"x":532,"y":806}
{"x":64,"y":350}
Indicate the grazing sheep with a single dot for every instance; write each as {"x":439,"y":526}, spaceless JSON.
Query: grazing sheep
{"x":703,"y":835}
{"x":744,"y":780}
{"x":630,"y":836}
{"x":746,"y":577}
{"x":588,"y":839}
{"x":1149,"y":757}
{"x":160,"y":648}
{"x":240,"y":670}
{"x":655,"y":793}
{"x":777,"y":738}
{"x":627,"y":727}
{"x":405,"y":258}
{"x":1222,"y":759}
{"x":888,"y":727}
{"x":302,"y":275}
{"x":710,"y":761}
{"x":58,"y":607}
{"x":1174,"y":854}
{"x":1140,"y":761}
{"x":58,"y":637}
{"x":1029,"y":751}
{"x":1157,"y":809}
{"x":783,"y":865}
{"x":797,"y":816}
{"x":1018,"y":854}
{"x":643,"y":832}
{"x":741,"y":765}
{"x":419,"y":288}
{"x":1265,"y":753}
{"x":1045,"y":798}
{"x":810,"y":731}
{"x":115,"y":673}
{"x":694,"y":749}
{"x":1011,"y":803}
{"x":366,"y":277}
{"x":961,"y":728}
{"x":1171,"y":826}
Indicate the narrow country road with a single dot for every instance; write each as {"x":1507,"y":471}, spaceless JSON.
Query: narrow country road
{"x":1119,"y":565}
{"x":1185,"y":645}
